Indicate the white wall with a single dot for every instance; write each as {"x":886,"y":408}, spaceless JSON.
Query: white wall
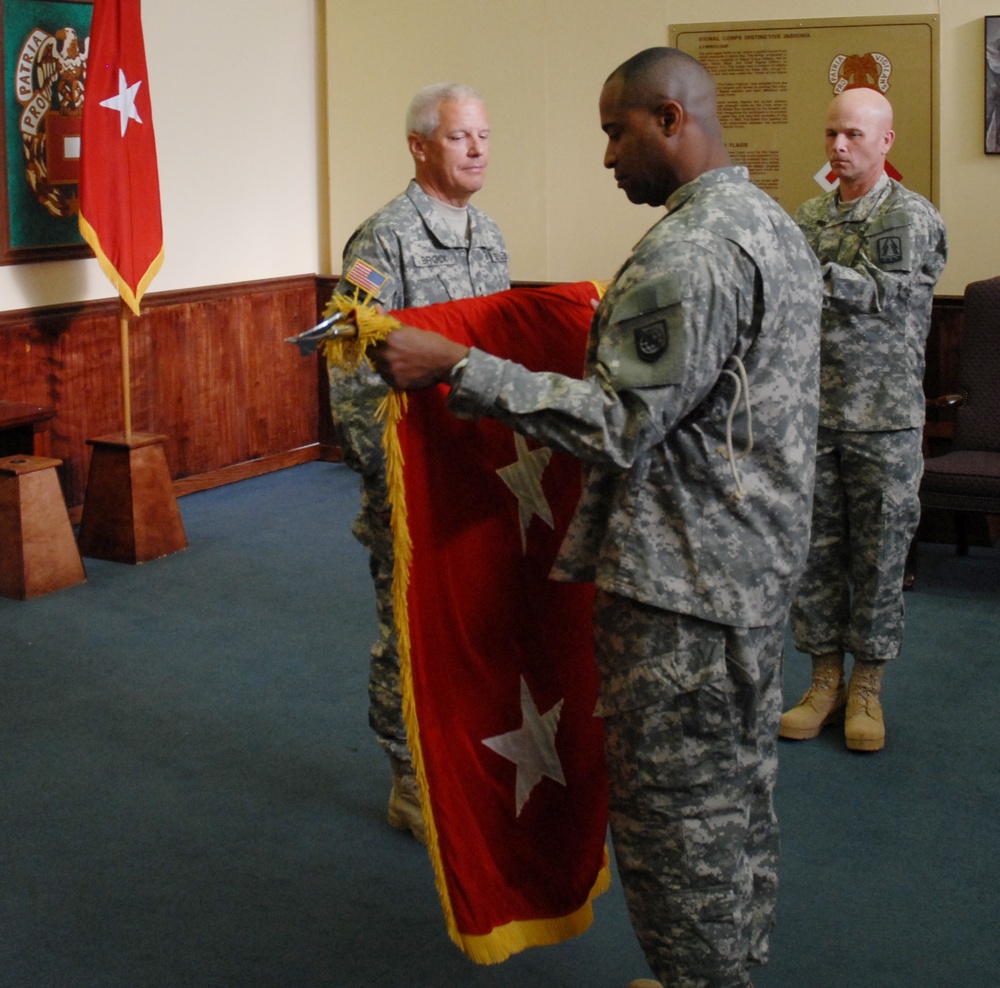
{"x":235,"y":94}
{"x":541,"y":64}
{"x":239,"y":108}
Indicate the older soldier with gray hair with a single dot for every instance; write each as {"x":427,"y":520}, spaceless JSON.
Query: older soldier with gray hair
{"x":882,"y":249}
{"x":427,"y":245}
{"x":696,"y":425}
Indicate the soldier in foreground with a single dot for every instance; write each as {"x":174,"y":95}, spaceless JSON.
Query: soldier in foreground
{"x":696,"y":425}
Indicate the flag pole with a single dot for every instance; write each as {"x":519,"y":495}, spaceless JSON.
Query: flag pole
{"x":130,"y":512}
{"x":123,"y":320}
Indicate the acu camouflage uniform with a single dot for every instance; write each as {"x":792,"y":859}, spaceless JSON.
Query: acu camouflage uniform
{"x":424,"y":262}
{"x":881,"y":256}
{"x":695,"y":553}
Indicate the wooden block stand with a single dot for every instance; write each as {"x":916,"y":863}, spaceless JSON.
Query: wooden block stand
{"x":38,"y":553}
{"x":130,"y":513}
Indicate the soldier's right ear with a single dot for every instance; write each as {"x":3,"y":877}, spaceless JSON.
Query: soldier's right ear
{"x":416,"y":145}
{"x":668,"y":115}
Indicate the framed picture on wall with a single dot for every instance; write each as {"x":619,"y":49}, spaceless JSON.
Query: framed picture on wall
{"x":776,"y":78}
{"x":44,"y":62}
{"x":993,"y":85}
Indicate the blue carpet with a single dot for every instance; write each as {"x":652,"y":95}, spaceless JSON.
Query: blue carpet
{"x":890,"y":875}
{"x":192,"y":795}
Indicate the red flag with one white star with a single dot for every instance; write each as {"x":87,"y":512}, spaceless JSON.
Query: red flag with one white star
{"x":119,"y":181}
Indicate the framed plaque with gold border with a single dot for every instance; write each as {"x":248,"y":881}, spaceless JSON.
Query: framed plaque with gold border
{"x":42,"y":84}
{"x":775,"y":81}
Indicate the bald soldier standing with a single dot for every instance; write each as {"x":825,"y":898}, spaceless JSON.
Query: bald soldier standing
{"x":696,"y":426}
{"x":882,"y":249}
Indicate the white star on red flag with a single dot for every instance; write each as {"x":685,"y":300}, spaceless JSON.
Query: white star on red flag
{"x":532,"y":747}
{"x":124,"y":101}
{"x":524,"y":478}
{"x":119,"y":181}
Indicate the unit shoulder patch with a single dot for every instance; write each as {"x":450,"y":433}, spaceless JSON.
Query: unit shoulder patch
{"x":644,"y":343}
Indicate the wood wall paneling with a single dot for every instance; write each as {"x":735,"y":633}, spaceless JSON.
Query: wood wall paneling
{"x":209,"y":369}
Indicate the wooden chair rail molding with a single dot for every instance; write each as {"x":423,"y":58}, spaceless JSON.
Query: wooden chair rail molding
{"x":210,"y":370}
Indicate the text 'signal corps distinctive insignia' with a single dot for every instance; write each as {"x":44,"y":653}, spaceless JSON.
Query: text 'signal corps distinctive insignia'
{"x":49,"y":82}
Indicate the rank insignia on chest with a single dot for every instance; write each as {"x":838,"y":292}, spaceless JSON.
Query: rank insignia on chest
{"x":890,"y":250}
{"x":651,"y":341}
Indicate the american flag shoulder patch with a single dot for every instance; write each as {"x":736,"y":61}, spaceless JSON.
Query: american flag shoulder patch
{"x":362,"y":274}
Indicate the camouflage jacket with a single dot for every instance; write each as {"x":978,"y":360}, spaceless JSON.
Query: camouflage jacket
{"x":881,"y":257}
{"x":424,"y":261}
{"x":724,"y":275}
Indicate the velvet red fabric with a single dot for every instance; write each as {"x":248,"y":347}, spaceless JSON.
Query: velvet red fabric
{"x":493,"y":640}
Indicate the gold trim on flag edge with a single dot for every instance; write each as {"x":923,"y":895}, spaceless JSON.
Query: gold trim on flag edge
{"x":132,"y":299}
{"x":501,"y":942}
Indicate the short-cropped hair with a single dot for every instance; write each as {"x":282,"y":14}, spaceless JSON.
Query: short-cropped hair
{"x":424,"y":113}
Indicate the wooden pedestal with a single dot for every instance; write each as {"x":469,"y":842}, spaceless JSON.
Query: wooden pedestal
{"x":38,"y":553}
{"x":130,"y":514}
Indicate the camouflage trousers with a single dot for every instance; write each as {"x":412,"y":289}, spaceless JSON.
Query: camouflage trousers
{"x":354,"y":399}
{"x":385,"y":698}
{"x":691,"y":749}
{"x":865,"y":514}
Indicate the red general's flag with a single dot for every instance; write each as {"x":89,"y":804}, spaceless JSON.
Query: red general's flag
{"x":119,"y":182}
{"x":498,"y":674}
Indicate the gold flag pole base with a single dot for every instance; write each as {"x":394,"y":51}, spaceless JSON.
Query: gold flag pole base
{"x":130,"y":513}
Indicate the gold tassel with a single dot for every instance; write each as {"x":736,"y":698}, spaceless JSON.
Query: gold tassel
{"x":350,"y":352}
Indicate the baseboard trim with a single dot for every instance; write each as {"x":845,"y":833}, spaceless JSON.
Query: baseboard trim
{"x":244,"y":471}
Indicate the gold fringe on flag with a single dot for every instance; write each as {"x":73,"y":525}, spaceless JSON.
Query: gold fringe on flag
{"x":132,"y":299}
{"x":348,"y":354}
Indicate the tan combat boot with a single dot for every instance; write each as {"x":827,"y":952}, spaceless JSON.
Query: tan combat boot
{"x":822,"y":701}
{"x":404,"y":800}
{"x":864,"y":728}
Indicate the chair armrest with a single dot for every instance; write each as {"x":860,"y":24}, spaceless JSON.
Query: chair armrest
{"x":945,"y":401}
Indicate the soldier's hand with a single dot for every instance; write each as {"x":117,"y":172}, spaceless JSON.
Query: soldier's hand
{"x":410,"y":359}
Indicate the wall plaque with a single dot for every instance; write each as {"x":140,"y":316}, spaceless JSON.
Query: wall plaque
{"x":776,"y":79}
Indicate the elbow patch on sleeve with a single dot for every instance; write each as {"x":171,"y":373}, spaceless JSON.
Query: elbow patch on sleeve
{"x":645,"y":344}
